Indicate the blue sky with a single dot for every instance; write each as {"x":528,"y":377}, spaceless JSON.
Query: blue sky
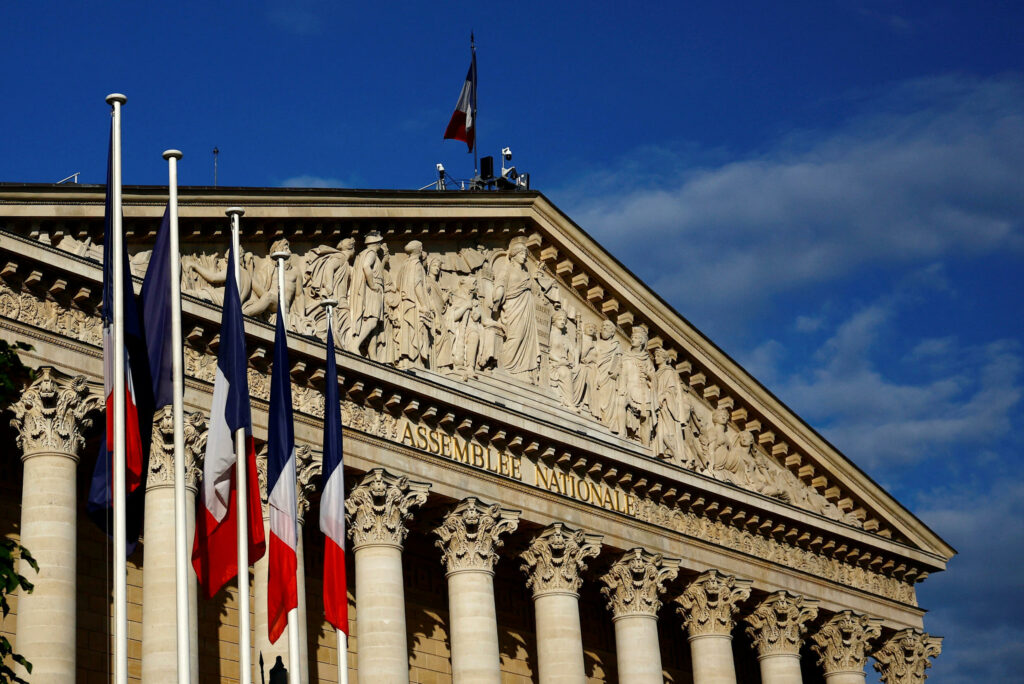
{"x":834,"y":191}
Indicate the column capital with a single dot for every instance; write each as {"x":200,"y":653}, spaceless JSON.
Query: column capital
{"x":779,"y":622}
{"x":307,"y":474}
{"x":842,"y":641}
{"x":53,"y":412}
{"x":161,"y":455}
{"x":709,"y":602}
{"x":556,"y":557}
{"x":470,"y":535}
{"x":379,"y":507}
{"x":904,"y":657}
{"x":635,"y":580}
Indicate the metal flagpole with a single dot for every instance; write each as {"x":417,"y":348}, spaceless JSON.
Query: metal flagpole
{"x":329,"y":305}
{"x":294,"y":668}
{"x":241,"y":507}
{"x":472,"y":105}
{"x":182,"y":599}
{"x":116,"y":100}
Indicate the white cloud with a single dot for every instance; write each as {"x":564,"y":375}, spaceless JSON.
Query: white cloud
{"x":312,"y":182}
{"x":933,"y":171}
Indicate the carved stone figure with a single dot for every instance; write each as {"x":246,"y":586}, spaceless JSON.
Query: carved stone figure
{"x":492,"y":338}
{"x":633,"y":583}
{"x":672,"y":412}
{"x":470,"y":535}
{"x":608,"y":402}
{"x":264,"y":299}
{"x":458,"y":345}
{"x":515,"y":301}
{"x":586,"y":371}
{"x":329,"y":273}
{"x":366,"y":296}
{"x":635,"y":379}
{"x":563,"y":360}
{"x":416,"y":312}
{"x":204,"y":275}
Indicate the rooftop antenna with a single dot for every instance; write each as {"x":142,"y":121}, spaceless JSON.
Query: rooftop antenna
{"x":73,"y":178}
{"x":216,"y":152}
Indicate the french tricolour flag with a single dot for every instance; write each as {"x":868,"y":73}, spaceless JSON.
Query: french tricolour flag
{"x":332,"y":500}
{"x":138,"y":391}
{"x":215,"y":550}
{"x":282,"y":588}
{"x":463,"y":123}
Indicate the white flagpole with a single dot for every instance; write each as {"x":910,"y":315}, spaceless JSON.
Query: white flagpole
{"x":329,"y":305}
{"x":181,"y":587}
{"x":294,"y":668}
{"x":116,"y":100}
{"x":242,"y":508}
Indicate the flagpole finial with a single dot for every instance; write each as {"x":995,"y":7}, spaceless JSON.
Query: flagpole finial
{"x":172,"y":154}
{"x":234,"y":211}
{"x":116,"y":97}
{"x":328,"y":301}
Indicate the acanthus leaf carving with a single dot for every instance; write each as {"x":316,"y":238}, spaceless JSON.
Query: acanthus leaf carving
{"x":633,"y":582}
{"x":53,"y":413}
{"x":779,"y":622}
{"x":470,"y":535}
{"x":709,"y":602}
{"x":842,"y":642}
{"x":307,"y":467}
{"x":378,"y":508}
{"x":161,"y":454}
{"x":556,"y":559}
{"x":904,"y":657}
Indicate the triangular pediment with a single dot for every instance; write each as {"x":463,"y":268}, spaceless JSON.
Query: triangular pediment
{"x":504,"y":298}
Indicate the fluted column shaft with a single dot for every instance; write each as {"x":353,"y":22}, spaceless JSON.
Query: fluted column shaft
{"x":469,"y":543}
{"x":377,"y":511}
{"x":777,"y":626}
{"x":708,"y":605}
{"x":841,"y":645}
{"x":633,"y":584}
{"x":50,"y":418}
{"x":553,"y":564}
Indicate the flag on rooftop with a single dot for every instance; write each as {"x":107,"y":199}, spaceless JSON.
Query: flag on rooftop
{"x":463,"y":122}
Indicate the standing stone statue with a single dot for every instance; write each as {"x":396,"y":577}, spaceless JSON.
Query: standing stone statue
{"x":415,"y":313}
{"x":329,"y":274}
{"x":437,"y":300}
{"x":493,"y":333}
{"x":563,"y":360}
{"x":366,"y":296}
{"x":514,"y":300}
{"x":460,"y":336}
{"x":636,"y":378}
{"x":386,"y":349}
{"x":586,"y":371}
{"x":672,"y":412}
{"x":608,"y":402}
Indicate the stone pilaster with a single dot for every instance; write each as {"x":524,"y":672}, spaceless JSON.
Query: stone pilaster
{"x":903,"y":658}
{"x":841,"y":645}
{"x":777,"y":626}
{"x":554,"y":564}
{"x":50,"y":419}
{"x":159,"y":619}
{"x":707,"y":606}
{"x":470,"y":537}
{"x":377,"y":511}
{"x":633,"y":584}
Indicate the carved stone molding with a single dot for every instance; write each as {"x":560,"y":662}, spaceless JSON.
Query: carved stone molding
{"x":709,"y":602}
{"x":379,"y":507}
{"x":635,"y":580}
{"x":841,"y":643}
{"x":161,"y":455}
{"x":778,"y":624}
{"x":470,"y":535}
{"x":53,"y":413}
{"x":307,"y":468}
{"x":556,"y":559}
{"x":904,"y":657}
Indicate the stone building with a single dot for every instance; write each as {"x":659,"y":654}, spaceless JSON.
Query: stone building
{"x":553,"y":476}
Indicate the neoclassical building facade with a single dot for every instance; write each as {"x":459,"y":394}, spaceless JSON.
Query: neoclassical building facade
{"x":553,"y":477}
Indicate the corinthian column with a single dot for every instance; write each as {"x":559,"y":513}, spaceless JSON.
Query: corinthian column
{"x":777,"y":627}
{"x":159,"y":620}
{"x":841,"y":643}
{"x":707,"y":606}
{"x":633,"y":584}
{"x":50,"y":418}
{"x":553,"y":565}
{"x":469,"y":543}
{"x":308,"y":474}
{"x":376,"y":515}
{"x":904,"y":657}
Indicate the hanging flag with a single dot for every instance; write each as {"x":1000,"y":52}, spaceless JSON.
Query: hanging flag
{"x":156,"y":314}
{"x":282,"y":588}
{"x":138,"y":391}
{"x":463,"y":123}
{"x":332,"y":500}
{"x":215,"y":550}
